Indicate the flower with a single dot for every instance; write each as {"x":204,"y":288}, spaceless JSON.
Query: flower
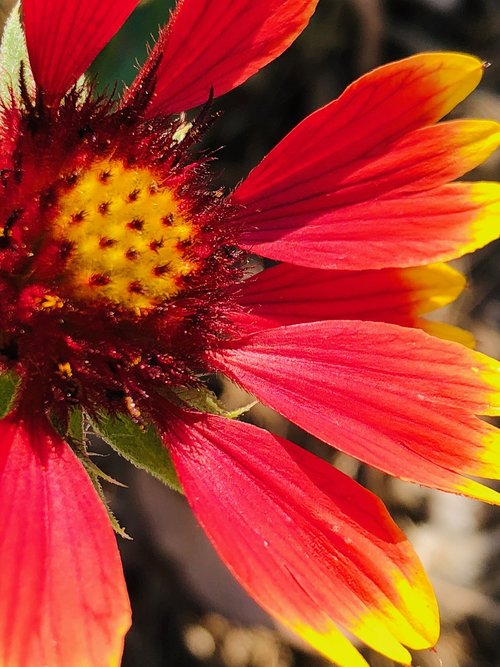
{"x":123,"y":286}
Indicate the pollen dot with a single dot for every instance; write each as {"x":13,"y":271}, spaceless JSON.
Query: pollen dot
{"x":65,"y":249}
{"x":132,"y":254}
{"x":99,"y":280}
{"x":103,"y":207}
{"x":71,"y":179}
{"x":161,"y":270}
{"x":104,"y":242}
{"x":132,"y":409}
{"x":135,"y":287}
{"x":137,"y":224}
{"x":105,"y":175}
{"x":78,"y":216}
{"x":156,"y":245}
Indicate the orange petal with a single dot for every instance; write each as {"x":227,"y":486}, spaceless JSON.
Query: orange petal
{"x":288,"y":294}
{"x":338,"y":192}
{"x":393,"y":397}
{"x":315,"y":549}
{"x":393,"y":231}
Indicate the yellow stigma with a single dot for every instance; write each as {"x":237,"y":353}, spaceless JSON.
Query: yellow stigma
{"x":126,"y":240}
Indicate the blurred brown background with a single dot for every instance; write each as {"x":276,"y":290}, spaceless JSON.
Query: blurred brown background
{"x":188,"y":611}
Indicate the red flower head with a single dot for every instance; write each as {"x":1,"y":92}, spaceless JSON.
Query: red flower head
{"x":123,"y":287}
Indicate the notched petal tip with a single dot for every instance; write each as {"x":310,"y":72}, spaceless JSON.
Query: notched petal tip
{"x":485,"y":215}
{"x":439,"y":283}
{"x":331,"y":643}
{"x":447,"y":332}
{"x":476,"y":491}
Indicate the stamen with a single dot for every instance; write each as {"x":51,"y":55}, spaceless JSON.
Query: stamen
{"x":64,"y":370}
{"x":51,"y":302}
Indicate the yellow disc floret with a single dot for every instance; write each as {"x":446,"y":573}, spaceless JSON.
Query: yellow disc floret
{"x":127,"y":240}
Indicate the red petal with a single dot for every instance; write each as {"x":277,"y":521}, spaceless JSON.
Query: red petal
{"x":309,"y":544}
{"x":64,"y":37}
{"x":393,"y":397}
{"x":320,"y":187}
{"x":288,"y":294}
{"x":219,"y":44}
{"x":63,"y":601}
{"x":393,"y":231}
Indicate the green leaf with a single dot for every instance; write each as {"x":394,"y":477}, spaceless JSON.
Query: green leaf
{"x":138,"y":444}
{"x":13,"y":52}
{"x":8,"y":386}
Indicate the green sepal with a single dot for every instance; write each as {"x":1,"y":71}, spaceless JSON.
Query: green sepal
{"x":96,"y":475}
{"x":204,"y":400}
{"x":75,"y":428}
{"x":139,"y":444}
{"x":95,"y":478}
{"x":93,"y":469}
{"x":9,"y":382}
{"x":13,"y":53}
{"x":75,"y":435}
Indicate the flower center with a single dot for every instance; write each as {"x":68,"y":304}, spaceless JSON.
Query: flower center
{"x":126,"y":240}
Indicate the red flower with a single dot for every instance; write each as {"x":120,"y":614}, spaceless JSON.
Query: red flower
{"x":122,"y":287}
